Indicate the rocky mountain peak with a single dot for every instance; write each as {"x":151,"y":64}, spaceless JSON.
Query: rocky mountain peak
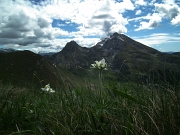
{"x":114,"y":42}
{"x":71,"y":46}
{"x":115,"y":35}
{"x":109,"y":48}
{"x":121,"y":52}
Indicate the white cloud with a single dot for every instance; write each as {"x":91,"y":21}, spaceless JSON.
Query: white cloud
{"x":169,"y":1}
{"x":24,"y":25}
{"x":151,"y":3}
{"x":169,"y":11}
{"x":86,"y":42}
{"x":124,"y":5}
{"x":140,"y":2}
{"x":28,"y":24}
{"x":91,"y":14}
{"x":157,"y":39}
{"x":154,"y":21}
{"x":176,"y":20}
{"x":138,"y":12}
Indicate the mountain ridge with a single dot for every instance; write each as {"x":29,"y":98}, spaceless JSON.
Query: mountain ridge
{"x":127,"y":58}
{"x":26,"y":68}
{"x":139,"y":59}
{"x":105,"y":48}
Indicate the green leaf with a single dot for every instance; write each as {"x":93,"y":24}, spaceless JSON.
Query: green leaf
{"x":129,"y":97}
{"x":93,"y":123}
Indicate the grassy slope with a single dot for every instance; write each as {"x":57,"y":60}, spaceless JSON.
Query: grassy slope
{"x":120,"y":109}
{"x":88,"y":108}
{"x":29,"y":69}
{"x":133,"y":63}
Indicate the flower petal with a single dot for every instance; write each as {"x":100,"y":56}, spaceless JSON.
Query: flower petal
{"x":93,"y":65}
{"x":43,"y":89}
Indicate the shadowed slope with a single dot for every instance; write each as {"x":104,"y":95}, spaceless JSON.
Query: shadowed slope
{"x":25,"y":68}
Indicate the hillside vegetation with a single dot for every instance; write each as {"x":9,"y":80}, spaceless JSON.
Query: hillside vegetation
{"x":134,"y":90}
{"x":27,"y":69}
{"x":111,"y":109}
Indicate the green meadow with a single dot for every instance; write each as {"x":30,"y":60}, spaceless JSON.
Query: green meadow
{"x":98,"y":106}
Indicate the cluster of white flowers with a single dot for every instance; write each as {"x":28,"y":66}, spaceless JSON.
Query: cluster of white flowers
{"x":100,"y":65}
{"x":47,"y":88}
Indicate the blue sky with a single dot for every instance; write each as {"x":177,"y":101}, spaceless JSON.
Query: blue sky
{"x":47,"y":25}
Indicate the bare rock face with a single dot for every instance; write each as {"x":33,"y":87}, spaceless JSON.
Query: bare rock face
{"x":115,"y":42}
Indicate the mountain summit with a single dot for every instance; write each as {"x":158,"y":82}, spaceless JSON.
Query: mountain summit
{"x":73,"y":55}
{"x":125,"y":57}
{"x":122,"y":54}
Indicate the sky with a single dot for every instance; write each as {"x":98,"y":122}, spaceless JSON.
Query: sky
{"x":47,"y":25}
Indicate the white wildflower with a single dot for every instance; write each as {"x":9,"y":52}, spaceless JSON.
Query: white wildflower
{"x":47,"y":88}
{"x":100,"y":65}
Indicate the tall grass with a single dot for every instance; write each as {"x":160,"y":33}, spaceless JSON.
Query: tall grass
{"x":122,"y":108}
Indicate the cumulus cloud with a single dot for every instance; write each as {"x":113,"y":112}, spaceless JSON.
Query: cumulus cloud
{"x":124,"y":6}
{"x":138,"y":12}
{"x":98,"y":18}
{"x":151,"y":3}
{"x":176,"y":20}
{"x":86,"y":42}
{"x":24,"y":25}
{"x":169,"y":1}
{"x":29,"y":23}
{"x":169,"y":11}
{"x":107,"y":19}
{"x":140,"y":2}
{"x":154,"y":21}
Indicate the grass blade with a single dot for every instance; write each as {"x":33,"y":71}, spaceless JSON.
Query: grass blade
{"x":125,"y":95}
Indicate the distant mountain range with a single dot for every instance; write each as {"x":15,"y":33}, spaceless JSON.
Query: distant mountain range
{"x":127,"y":58}
{"x":5,"y":50}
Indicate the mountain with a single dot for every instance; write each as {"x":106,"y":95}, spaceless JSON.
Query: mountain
{"x":43,"y":53}
{"x":25,"y":68}
{"x":127,"y":59}
{"x":5,"y":50}
{"x":72,"y":55}
{"x":124,"y":56}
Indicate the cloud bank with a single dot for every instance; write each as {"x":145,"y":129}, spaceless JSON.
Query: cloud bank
{"x":28,"y":24}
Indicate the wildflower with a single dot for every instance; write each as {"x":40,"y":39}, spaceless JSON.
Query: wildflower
{"x":31,"y":111}
{"x":101,"y":65}
{"x":47,"y":88}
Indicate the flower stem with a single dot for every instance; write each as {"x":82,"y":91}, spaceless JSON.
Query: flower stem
{"x":100,"y":81}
